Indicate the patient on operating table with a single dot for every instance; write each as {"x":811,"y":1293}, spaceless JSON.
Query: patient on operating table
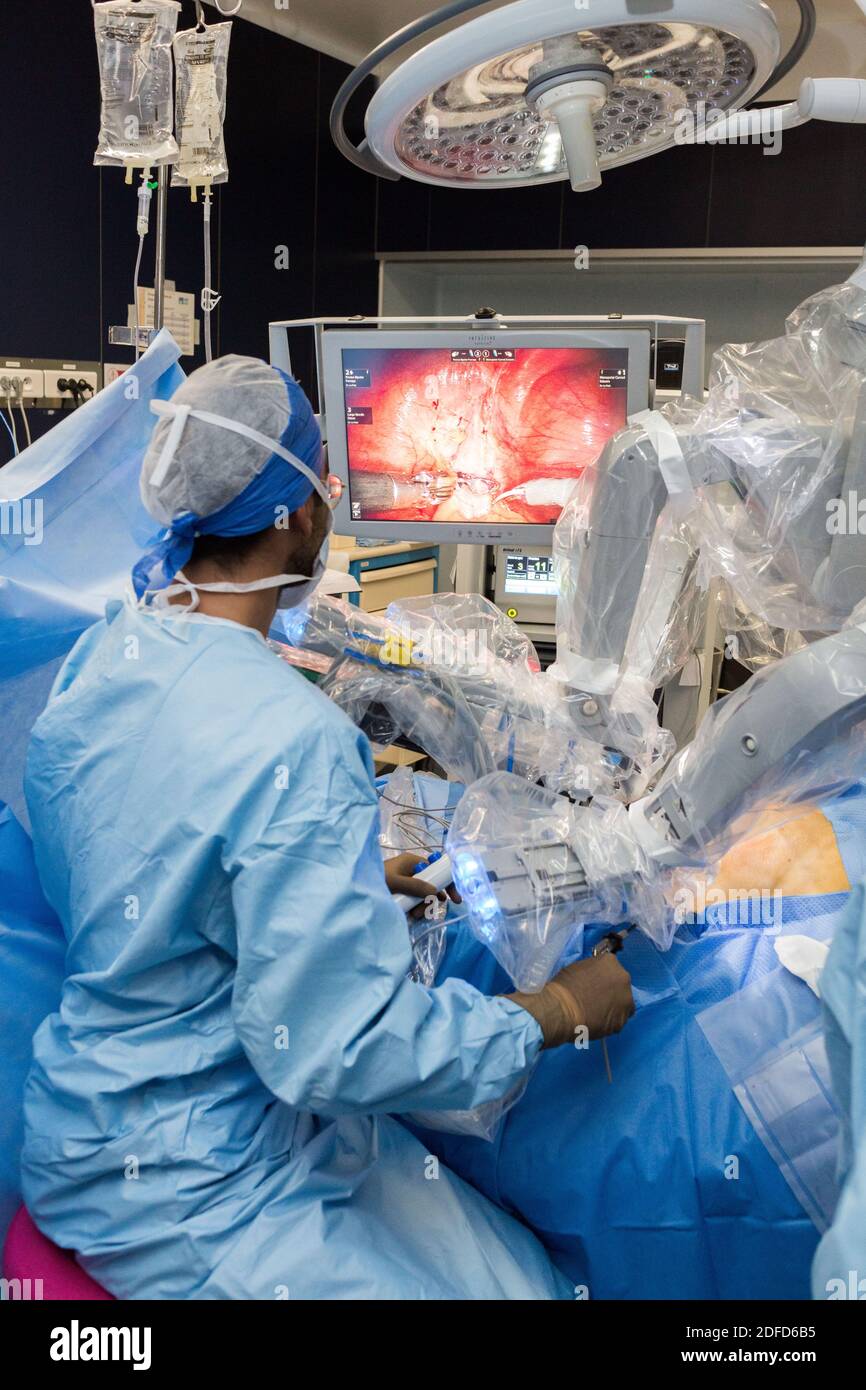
{"x":798,"y":857}
{"x":629,"y":1183}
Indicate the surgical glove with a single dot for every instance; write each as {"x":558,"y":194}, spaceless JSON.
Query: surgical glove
{"x":399,"y":876}
{"x":593,"y":994}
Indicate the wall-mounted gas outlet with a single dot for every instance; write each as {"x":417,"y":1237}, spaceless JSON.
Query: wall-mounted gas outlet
{"x":19,"y":381}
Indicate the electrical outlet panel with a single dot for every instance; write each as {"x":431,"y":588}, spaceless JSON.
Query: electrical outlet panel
{"x":49,"y":383}
{"x":70,"y":381}
{"x":20,"y":381}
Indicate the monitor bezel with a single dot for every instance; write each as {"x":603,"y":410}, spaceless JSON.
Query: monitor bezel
{"x":637,"y":341}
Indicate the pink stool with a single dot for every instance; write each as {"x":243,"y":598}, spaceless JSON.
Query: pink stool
{"x":29,"y":1255}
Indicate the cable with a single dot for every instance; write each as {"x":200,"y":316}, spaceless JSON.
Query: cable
{"x":135,"y":280}
{"x":413,"y":839}
{"x":407,"y":808}
{"x":805,"y":35}
{"x":23,"y":410}
{"x":412,"y":833}
{"x":364,"y":158}
{"x":9,"y":432}
{"x":207,"y":300}
{"x":142,"y":226}
{"x":360,"y":155}
{"x":12,"y":421}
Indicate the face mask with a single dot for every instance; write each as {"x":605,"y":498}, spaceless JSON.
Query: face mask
{"x":297,"y":587}
{"x":296,"y":593}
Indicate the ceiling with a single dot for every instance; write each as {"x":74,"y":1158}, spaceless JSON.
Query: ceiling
{"x":349,"y":29}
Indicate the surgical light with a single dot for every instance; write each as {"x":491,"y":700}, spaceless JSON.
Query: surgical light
{"x":542,"y":90}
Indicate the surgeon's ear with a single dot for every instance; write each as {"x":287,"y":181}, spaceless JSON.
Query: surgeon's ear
{"x":301,"y":521}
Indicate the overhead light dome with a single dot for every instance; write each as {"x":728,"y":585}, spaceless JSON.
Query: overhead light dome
{"x":541,"y":90}
{"x":528,"y":94}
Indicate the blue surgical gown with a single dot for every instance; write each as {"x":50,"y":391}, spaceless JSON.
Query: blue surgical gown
{"x":209,"y":1113}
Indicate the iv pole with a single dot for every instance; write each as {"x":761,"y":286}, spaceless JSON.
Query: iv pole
{"x":159,"y":273}
{"x":120,"y":335}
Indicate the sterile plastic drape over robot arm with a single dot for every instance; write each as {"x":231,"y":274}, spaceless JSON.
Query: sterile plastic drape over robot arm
{"x":373,"y":679}
{"x":530,"y":724}
{"x":457,"y":677}
{"x":789,"y":418}
{"x":462,"y":631}
{"x":751,"y":486}
{"x":629,"y":604}
{"x":533,"y":869}
{"x":749,"y":492}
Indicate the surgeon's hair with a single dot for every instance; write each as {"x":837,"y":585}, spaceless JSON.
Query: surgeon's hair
{"x":229,"y":553}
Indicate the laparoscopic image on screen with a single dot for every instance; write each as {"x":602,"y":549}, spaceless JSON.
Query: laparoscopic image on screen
{"x":490,"y":435}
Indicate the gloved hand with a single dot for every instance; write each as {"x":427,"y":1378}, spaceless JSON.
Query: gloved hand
{"x":594,"y":994}
{"x":399,"y":878}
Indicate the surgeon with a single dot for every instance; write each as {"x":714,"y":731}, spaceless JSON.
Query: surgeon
{"x":209,"y":1114}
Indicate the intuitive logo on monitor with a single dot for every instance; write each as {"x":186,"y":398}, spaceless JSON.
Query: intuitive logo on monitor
{"x":483,"y":354}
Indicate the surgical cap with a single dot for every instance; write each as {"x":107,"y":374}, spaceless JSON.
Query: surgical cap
{"x":220,"y":483}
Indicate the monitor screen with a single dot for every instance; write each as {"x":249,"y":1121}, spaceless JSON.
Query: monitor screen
{"x":481,"y":442}
{"x":531,"y":576}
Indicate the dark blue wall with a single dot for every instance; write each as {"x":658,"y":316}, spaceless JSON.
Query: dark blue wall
{"x":67,"y":230}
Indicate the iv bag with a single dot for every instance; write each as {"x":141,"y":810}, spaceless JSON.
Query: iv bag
{"x":133,"y":42}
{"x":201,"y":59}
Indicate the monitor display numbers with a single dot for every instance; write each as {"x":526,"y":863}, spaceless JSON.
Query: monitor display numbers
{"x":531,"y":575}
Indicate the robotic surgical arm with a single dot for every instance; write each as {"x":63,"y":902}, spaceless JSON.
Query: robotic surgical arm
{"x":451,"y":673}
{"x":735,"y":487}
{"x":533,"y":869}
{"x":752,"y":486}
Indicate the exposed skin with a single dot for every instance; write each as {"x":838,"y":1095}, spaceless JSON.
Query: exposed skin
{"x":795,"y":858}
{"x":281,"y":550}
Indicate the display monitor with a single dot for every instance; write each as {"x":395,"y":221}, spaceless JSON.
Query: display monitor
{"x":530,"y":576}
{"x":472,"y":436}
{"x":525,"y":583}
